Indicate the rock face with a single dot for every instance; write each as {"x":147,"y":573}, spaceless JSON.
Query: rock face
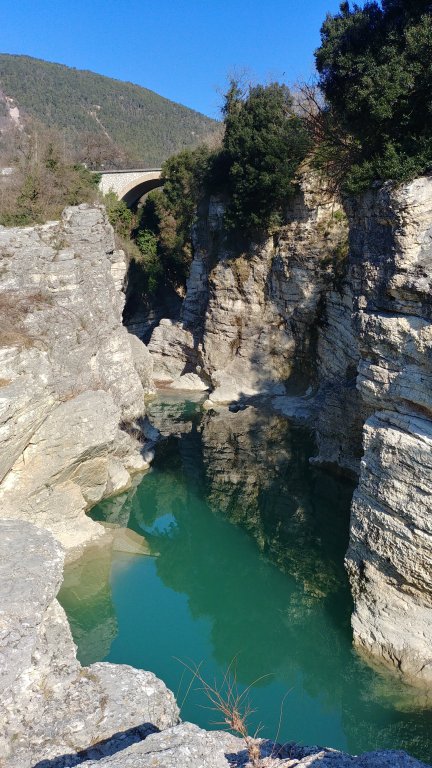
{"x":390,"y":554}
{"x":69,"y":377}
{"x":263,"y":307}
{"x":50,"y":705}
{"x":188,"y":746}
{"x":247,"y":321}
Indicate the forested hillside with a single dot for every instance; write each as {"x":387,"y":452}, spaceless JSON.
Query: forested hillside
{"x":100,"y":117}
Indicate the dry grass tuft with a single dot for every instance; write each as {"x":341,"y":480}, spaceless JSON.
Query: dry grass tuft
{"x":15,"y":306}
{"x":234,"y":707}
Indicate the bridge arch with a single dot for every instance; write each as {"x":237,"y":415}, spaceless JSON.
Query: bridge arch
{"x":130,"y":185}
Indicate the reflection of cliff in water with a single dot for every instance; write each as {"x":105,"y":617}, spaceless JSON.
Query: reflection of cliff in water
{"x":199,"y":559}
{"x":258,"y":474}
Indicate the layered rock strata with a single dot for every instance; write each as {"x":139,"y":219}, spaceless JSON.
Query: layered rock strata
{"x":70,"y":378}
{"x":249,"y":320}
{"x":390,"y":553}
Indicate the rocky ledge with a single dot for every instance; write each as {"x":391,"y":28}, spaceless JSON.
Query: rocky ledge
{"x":72,"y":379}
{"x":56,"y":714}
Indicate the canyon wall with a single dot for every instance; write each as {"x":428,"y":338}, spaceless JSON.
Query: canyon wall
{"x":343,"y":341}
{"x":249,"y":321}
{"x":72,"y":379}
{"x":348,"y":331}
{"x":390,"y":553}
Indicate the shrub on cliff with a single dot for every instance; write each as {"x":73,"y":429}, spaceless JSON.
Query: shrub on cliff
{"x":119,"y":215}
{"x":375,"y":67}
{"x":43,"y":181}
{"x":263,"y":146}
{"x":167,"y":217}
{"x":255,"y":168}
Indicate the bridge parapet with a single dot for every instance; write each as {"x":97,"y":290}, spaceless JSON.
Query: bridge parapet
{"x":130,"y":185}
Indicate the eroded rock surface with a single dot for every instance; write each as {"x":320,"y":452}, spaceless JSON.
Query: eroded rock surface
{"x":390,"y":554}
{"x":263,"y":306}
{"x":69,"y":376}
{"x":249,"y":320}
{"x":190,"y":747}
{"x":49,"y":705}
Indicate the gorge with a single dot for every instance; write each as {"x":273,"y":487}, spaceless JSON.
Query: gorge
{"x":298,"y":330}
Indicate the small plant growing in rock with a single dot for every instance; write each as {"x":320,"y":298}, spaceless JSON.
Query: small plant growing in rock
{"x":233,"y":706}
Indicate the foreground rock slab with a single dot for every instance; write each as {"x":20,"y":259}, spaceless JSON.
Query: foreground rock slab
{"x":187,"y":746}
{"x":49,"y":705}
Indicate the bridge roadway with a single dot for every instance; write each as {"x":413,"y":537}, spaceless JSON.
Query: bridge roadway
{"x":131,"y":184}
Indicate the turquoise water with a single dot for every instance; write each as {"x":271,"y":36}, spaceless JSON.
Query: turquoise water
{"x":246,"y":571}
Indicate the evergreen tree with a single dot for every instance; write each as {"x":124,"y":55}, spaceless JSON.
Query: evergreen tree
{"x":263,"y":145}
{"x":375,"y":66}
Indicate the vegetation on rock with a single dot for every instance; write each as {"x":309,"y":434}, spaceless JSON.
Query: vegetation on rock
{"x":164,"y":230}
{"x":43,"y":180}
{"x":254,"y":169}
{"x":375,"y":67}
{"x":263,"y":146}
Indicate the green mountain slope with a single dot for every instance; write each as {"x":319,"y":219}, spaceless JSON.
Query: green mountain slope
{"x":147,"y":127}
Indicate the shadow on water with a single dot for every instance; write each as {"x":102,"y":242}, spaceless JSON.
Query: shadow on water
{"x":248,"y":542}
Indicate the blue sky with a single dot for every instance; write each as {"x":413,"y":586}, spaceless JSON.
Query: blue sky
{"x":183,"y":49}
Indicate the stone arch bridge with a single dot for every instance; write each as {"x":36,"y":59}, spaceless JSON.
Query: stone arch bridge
{"x":130,"y":185}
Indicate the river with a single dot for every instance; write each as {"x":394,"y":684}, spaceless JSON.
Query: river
{"x":240,"y":568}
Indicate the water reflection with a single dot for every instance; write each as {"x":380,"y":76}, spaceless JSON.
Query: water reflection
{"x":250,"y":541}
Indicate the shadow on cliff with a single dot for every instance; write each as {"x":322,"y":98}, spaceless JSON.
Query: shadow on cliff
{"x":105,"y":748}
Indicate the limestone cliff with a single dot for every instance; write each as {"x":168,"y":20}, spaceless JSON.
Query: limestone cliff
{"x":390,"y":554}
{"x":69,"y":376}
{"x":249,"y":321}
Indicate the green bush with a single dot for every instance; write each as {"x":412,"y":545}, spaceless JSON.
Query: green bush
{"x":263,"y":146}
{"x":255,"y":169}
{"x":167,"y":217}
{"x":119,"y":215}
{"x":149,"y":261}
{"x":43,"y":182}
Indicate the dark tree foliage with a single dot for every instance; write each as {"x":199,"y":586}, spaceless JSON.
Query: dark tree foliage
{"x":255,"y":169}
{"x":375,"y":67}
{"x":164,"y":232}
{"x":263,"y":146}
